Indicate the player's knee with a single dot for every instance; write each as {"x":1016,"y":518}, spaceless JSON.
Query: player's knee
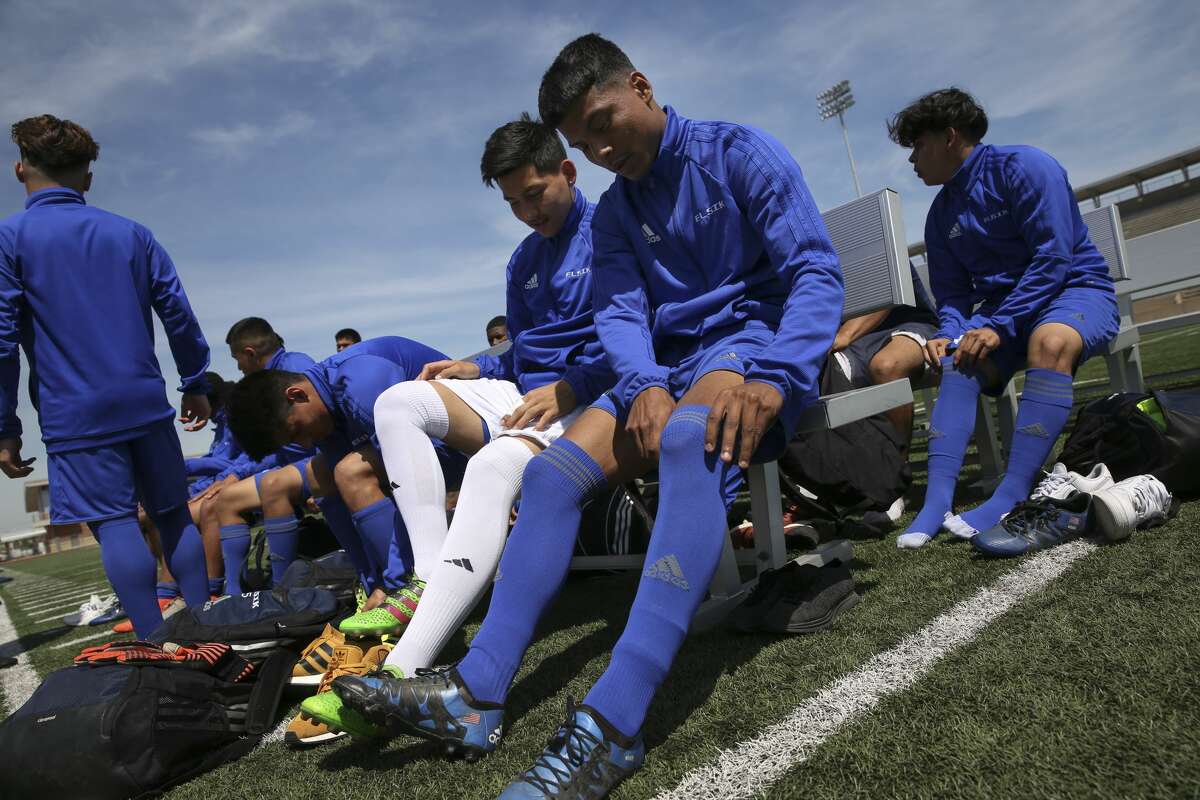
{"x":886,"y":367}
{"x":682,"y":437}
{"x":408,"y":403}
{"x":273,"y":486}
{"x":352,"y":471}
{"x":1052,"y":349}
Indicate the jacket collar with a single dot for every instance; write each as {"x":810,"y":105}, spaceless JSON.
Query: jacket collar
{"x":54,"y":196}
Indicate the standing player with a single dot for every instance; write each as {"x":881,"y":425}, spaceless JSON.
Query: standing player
{"x":1018,"y":283}
{"x":503,"y":409}
{"x":717,"y":295}
{"x":78,"y":286}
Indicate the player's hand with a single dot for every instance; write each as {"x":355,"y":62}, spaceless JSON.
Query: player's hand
{"x":11,"y":463}
{"x":215,"y":489}
{"x":543,"y":406}
{"x":749,"y":410}
{"x":935,"y":351}
{"x":463,"y":370}
{"x":647,"y":417}
{"x":974,"y":346}
{"x":194,"y":412}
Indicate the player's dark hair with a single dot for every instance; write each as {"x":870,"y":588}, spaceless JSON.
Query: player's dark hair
{"x":258,"y":411}
{"x":494,"y":321}
{"x":348,"y":333}
{"x":937,"y":111}
{"x":218,"y":391}
{"x":54,"y":146}
{"x":515,"y":144}
{"x":254,"y":332}
{"x":589,"y":61}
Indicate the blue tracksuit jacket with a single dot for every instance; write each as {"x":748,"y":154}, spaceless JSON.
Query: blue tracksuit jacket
{"x":350,"y":382}
{"x":1005,"y":234}
{"x":549,"y":313}
{"x":721,"y":232}
{"x":77,"y":289}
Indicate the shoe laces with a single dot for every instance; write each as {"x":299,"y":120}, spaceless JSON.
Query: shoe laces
{"x":1050,"y":484}
{"x":1148,"y":493}
{"x":571,"y":747}
{"x":1025,"y":516}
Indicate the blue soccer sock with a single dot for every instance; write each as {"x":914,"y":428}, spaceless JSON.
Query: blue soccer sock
{"x":555,"y":486}
{"x":1041,"y":415}
{"x":282,"y":535}
{"x":131,"y":569}
{"x":235,"y":545}
{"x":166,"y":590}
{"x":216,"y":586}
{"x":949,"y":432}
{"x":685,"y":547}
{"x":380,"y":528}
{"x":183,"y":550}
{"x":338,"y":518}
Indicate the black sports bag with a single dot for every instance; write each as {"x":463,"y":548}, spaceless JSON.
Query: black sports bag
{"x":256,"y":624}
{"x":120,"y":731}
{"x":1114,"y":431}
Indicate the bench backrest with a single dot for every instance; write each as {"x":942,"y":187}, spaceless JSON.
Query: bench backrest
{"x":868,"y":235}
{"x":1104,"y":229}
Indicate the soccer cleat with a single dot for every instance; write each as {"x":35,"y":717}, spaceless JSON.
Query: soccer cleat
{"x":315,"y":660}
{"x":1035,"y":525}
{"x":433,"y":704}
{"x":585,"y":759}
{"x":389,"y":618}
{"x":324,"y":717}
{"x":166,"y":605}
{"x":112,"y":613}
{"x":1138,"y":502}
{"x":90,"y":610}
{"x":1060,"y":482}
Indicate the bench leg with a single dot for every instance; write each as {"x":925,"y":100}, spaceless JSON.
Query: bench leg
{"x":766,"y":508}
{"x":1125,"y":370}
{"x":987,"y":441}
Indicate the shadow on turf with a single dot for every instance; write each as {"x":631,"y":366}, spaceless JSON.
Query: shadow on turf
{"x":32,"y":640}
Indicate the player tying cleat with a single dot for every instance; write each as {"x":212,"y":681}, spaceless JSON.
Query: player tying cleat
{"x":717,"y":295}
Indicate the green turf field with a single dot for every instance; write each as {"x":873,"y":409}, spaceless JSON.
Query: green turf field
{"x":1087,"y":687}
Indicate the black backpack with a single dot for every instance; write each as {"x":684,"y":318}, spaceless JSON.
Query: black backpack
{"x":1115,"y":432}
{"x":121,"y":731}
{"x":334,"y":571}
{"x":613,"y":524}
{"x":257,"y":624}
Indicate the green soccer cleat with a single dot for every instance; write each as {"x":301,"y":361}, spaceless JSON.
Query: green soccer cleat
{"x":389,"y":618}
{"x":324,"y":715}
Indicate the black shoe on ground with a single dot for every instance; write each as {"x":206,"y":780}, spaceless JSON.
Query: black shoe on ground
{"x":7,"y":661}
{"x":797,"y":598}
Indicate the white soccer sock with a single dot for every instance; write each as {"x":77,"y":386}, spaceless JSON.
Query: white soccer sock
{"x":406,"y":416}
{"x":470,"y":555}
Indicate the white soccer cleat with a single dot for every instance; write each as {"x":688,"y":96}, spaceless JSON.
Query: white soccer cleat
{"x":1138,"y":502}
{"x":1060,"y":482}
{"x":955,"y":524}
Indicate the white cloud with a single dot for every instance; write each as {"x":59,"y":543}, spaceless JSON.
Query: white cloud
{"x":236,"y":140}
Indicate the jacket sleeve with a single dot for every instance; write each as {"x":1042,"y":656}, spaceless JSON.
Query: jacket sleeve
{"x":768,"y":186}
{"x":590,"y":376}
{"x":183,"y":330}
{"x":503,"y":366}
{"x":1042,"y":205}
{"x":951,"y":283}
{"x":12,"y":304}
{"x":621,"y":307}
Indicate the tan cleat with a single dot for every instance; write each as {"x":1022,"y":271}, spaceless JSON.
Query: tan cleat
{"x":322,"y":717}
{"x":315,"y":659}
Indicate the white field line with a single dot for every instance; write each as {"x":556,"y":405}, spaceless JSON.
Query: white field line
{"x":749,"y":768}
{"x":106,"y":631}
{"x":26,"y":590}
{"x":18,"y":681}
{"x":65,"y":600}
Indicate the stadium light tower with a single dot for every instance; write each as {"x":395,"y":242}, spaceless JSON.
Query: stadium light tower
{"x":833,"y":102}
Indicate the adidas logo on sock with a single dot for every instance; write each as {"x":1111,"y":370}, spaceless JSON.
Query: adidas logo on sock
{"x":1035,"y":429}
{"x":465,"y":563}
{"x":934,"y":433}
{"x":667,"y":569}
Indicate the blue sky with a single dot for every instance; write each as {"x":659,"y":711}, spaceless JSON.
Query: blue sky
{"x":316,"y":163}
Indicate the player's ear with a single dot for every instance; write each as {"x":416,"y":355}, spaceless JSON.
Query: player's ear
{"x":19,"y":171}
{"x":641,"y":86}
{"x":568,"y":170}
{"x":87,"y":182}
{"x":295,"y":394}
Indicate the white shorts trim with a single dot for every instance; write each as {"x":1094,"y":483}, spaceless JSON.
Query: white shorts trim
{"x":493,"y":399}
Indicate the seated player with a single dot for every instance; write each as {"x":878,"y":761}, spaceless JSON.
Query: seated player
{"x":717,"y":294}
{"x":346,"y":337}
{"x":1018,"y":284}
{"x":331,"y":406}
{"x":497,"y":330}
{"x":255,"y":346}
{"x":503,"y":409}
{"x":78,"y":287}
